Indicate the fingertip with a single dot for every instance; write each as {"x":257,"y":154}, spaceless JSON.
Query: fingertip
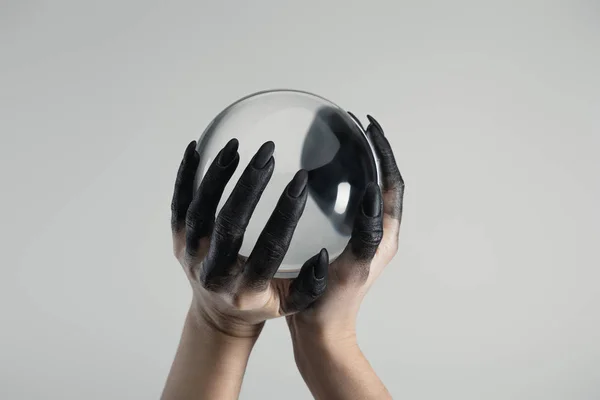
{"x":298,"y":183}
{"x":190,"y":149}
{"x":233,"y":144}
{"x":264,"y":155}
{"x":373,"y":123}
{"x":321,"y":266}
{"x":228,"y":153}
{"x":324,"y":255}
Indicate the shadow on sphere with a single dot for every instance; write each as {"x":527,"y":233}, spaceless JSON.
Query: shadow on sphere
{"x":340,"y":164}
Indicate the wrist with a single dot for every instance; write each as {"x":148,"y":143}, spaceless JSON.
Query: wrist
{"x":212,"y":322}
{"x":209,"y":363}
{"x":307,"y":328}
{"x":317,"y":355}
{"x":321,"y":342}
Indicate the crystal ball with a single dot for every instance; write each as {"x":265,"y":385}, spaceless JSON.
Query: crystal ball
{"x":309,"y":133}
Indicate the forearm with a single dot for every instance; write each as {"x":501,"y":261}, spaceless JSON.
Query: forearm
{"x":208,"y":365}
{"x":337,"y":369}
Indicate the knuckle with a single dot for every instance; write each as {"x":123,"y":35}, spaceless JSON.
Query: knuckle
{"x":287,"y":216}
{"x":218,"y":274}
{"x":228,"y":228}
{"x":315,"y":289}
{"x":365,"y":243}
{"x":247,"y":182}
{"x":369,"y":238}
{"x":248,"y":185}
{"x":198,"y":221}
{"x":193,"y":219}
{"x":272,"y":248}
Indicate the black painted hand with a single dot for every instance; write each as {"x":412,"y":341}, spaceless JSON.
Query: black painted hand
{"x":236,"y":294}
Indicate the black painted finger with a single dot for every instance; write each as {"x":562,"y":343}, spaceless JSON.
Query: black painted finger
{"x":184,"y":187}
{"x":200,"y":217}
{"x":368,"y":227}
{"x":274,"y":241}
{"x":392,"y":181}
{"x":233,"y":219}
{"x":309,"y":285}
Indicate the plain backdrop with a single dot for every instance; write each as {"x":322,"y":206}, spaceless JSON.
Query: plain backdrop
{"x":493,"y":110}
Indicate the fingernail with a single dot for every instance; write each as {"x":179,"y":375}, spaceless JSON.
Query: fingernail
{"x":263,"y":155}
{"x":371,"y":204}
{"x":298,"y":184}
{"x":228,"y":153}
{"x":190,"y":147}
{"x":375,"y":124}
{"x":320,"y":268}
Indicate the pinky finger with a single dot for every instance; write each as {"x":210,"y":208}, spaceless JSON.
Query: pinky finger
{"x":309,"y":285}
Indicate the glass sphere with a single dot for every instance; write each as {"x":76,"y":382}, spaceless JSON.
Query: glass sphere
{"x":309,"y":133}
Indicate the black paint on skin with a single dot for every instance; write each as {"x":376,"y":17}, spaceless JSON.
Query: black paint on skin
{"x":367,"y":231}
{"x":200,"y":218}
{"x":368,"y":228}
{"x":274,"y":241}
{"x":223,"y":265}
{"x":309,"y":285}
{"x":392,"y":181}
{"x":234,"y":217}
{"x":184,"y":187}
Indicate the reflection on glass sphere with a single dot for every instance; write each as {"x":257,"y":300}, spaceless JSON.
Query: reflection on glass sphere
{"x":309,"y":132}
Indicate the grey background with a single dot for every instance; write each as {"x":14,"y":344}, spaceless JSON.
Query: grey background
{"x":493,"y":111}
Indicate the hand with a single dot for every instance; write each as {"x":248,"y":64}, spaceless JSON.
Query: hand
{"x":324,"y":335}
{"x":373,"y":244}
{"x":232,"y":293}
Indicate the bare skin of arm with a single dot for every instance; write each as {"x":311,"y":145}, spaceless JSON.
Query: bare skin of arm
{"x":324,"y":335}
{"x":209,"y":364}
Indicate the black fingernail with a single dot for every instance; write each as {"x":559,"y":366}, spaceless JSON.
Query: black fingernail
{"x":190,"y":148}
{"x":372,"y":201}
{"x":375,"y":124}
{"x":320,"y":268}
{"x":228,"y":153}
{"x":263,"y":155}
{"x":298,"y":184}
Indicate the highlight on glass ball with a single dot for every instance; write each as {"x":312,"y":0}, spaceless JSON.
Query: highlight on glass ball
{"x":309,"y":133}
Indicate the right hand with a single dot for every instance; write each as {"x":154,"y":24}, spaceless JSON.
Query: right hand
{"x":373,"y":244}
{"x":232,"y":293}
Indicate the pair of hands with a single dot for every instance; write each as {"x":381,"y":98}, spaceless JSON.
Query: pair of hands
{"x":235,"y":294}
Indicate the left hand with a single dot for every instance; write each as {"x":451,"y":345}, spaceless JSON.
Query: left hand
{"x":232,"y":293}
